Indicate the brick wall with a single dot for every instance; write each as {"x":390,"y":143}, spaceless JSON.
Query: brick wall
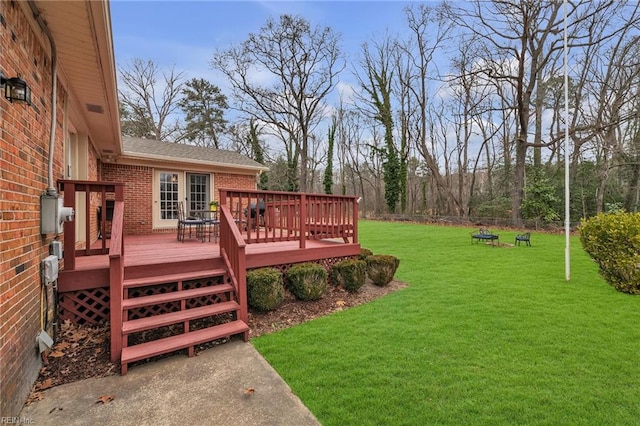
{"x":232,"y":181}
{"x":138,"y":202}
{"x":24,"y":146}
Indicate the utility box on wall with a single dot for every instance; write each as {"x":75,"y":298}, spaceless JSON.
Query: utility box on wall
{"x":53,"y":214}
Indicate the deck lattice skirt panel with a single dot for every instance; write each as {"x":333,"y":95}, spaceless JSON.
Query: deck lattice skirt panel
{"x":84,"y":306}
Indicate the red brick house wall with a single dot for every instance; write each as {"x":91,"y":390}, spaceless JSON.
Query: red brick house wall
{"x":232,"y":181}
{"x":24,"y":150}
{"x":138,"y":200}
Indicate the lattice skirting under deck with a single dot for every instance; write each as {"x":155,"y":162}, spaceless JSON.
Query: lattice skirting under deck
{"x":91,"y":306}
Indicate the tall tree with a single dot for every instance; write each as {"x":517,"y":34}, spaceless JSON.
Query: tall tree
{"x":298,"y":66}
{"x":376,"y":84}
{"x":150,"y":103}
{"x":327,"y":181}
{"x":204,"y":106}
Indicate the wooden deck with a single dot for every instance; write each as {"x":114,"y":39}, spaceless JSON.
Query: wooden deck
{"x":160,"y":251}
{"x":144,"y":282}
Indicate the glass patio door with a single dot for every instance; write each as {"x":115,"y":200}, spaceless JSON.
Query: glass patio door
{"x":168,"y":193}
{"x":198,"y":191}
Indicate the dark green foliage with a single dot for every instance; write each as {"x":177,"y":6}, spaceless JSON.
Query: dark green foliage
{"x":364,"y":253}
{"x":203,"y":104}
{"x":327,"y":181}
{"x":307,"y":281}
{"x":265,"y":289}
{"x":381,"y":268}
{"x":253,"y":139}
{"x":498,"y":207}
{"x":613,"y":241}
{"x":349,"y":274}
{"x":540,"y":201}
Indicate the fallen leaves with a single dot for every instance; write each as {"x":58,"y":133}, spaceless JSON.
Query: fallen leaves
{"x":34,"y":396}
{"x":80,"y":352}
{"x":249,"y":391}
{"x":105,"y":399}
{"x":56,"y":354}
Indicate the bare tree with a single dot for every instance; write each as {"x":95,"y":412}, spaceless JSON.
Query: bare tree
{"x":428,"y":31}
{"x":281,"y":77}
{"x":525,"y":37}
{"x":148,"y":103}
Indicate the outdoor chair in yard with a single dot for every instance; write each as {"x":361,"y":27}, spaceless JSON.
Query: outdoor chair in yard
{"x":187,"y":222}
{"x":526,"y":237}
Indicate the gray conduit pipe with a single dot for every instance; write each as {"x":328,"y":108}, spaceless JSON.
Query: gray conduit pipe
{"x":51,"y":190}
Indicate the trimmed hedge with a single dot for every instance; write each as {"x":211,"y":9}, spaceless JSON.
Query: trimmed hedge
{"x":364,"y":253}
{"x":349,"y":274}
{"x":265,"y":289}
{"x":307,"y":281}
{"x":381,"y":268}
{"x":613,"y":241}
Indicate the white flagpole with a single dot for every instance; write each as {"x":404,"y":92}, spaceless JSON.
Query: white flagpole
{"x":567,"y":210}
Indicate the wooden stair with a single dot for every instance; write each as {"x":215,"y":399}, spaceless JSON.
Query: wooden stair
{"x":150,"y":303}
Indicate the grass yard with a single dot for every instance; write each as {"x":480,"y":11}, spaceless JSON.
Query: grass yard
{"x":483,"y":335}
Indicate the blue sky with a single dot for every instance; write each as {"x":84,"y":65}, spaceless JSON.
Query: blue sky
{"x":186,"y":33}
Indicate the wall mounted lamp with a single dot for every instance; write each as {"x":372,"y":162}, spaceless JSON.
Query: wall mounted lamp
{"x":15,"y":89}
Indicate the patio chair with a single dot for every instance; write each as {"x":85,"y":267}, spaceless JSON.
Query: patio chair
{"x":188,"y":222}
{"x":526,"y":237}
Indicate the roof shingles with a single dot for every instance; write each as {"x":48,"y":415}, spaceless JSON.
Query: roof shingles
{"x":175,"y":151}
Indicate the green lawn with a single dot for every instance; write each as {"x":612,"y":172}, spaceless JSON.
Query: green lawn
{"x":482,"y":335}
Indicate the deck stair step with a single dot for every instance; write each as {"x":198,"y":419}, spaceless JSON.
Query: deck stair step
{"x":157,"y":299}
{"x":148,"y":323}
{"x":168,"y":278}
{"x":181,"y":341}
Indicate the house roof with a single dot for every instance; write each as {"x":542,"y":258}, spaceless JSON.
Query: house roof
{"x":175,"y":152}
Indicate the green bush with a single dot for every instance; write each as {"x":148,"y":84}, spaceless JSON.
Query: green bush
{"x":613,"y":241}
{"x":364,"y":253}
{"x":265,"y":289}
{"x":349,"y":274}
{"x":381,"y":268}
{"x":307,"y":281}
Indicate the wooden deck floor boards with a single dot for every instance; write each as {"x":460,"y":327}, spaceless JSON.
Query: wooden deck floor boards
{"x":161,"y":248}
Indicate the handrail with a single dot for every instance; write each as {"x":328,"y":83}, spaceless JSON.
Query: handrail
{"x":116,"y":279}
{"x":232,"y":249}
{"x":270,"y":216}
{"x":105,"y":190}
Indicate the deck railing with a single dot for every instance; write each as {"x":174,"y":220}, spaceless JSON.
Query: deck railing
{"x":116,"y":279}
{"x":232,"y":249}
{"x":96,"y":195}
{"x":268,"y":216}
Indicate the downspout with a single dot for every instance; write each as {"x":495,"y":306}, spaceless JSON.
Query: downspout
{"x":51,"y":190}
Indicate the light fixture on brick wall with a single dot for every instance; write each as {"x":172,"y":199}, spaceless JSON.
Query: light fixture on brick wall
{"x":15,"y":89}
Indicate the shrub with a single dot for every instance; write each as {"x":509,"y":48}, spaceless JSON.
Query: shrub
{"x":613,"y":241}
{"x":350,"y":274}
{"x":364,"y":253}
{"x":265,"y":289}
{"x":381,"y":268}
{"x":307,"y":281}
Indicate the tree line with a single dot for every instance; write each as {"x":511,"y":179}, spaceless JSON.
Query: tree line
{"x":462,"y":113}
